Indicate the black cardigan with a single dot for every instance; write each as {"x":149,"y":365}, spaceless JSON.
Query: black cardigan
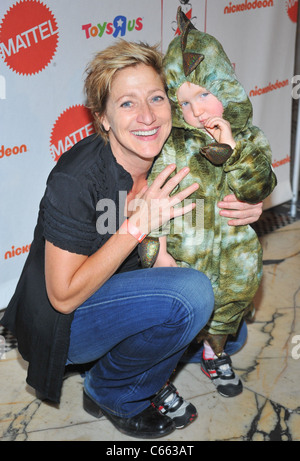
{"x":67,"y":218}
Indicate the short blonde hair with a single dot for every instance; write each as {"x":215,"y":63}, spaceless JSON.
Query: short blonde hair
{"x":101,"y":70}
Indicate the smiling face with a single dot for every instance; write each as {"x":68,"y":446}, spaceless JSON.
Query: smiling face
{"x":198,"y":104}
{"x":138,"y":114}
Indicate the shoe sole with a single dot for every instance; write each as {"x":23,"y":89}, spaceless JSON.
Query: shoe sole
{"x":190,"y":421}
{"x":219,"y":392}
{"x":92,"y":407}
{"x":230,"y":396}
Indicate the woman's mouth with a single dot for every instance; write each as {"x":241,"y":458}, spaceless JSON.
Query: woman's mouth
{"x":145,"y":133}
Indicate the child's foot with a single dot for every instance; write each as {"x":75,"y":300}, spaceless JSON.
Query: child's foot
{"x":170,"y":403}
{"x":222,"y":375}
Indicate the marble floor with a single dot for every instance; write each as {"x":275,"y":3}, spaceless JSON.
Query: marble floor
{"x":269,"y":365}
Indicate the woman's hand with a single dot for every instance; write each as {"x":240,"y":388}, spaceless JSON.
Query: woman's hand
{"x":73,"y":278}
{"x":154,"y":206}
{"x":241,"y":213}
{"x":220,"y":129}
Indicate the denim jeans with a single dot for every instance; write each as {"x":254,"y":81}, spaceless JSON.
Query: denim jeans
{"x":136,"y":327}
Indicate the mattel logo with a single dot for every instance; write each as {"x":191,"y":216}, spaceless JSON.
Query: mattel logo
{"x":28,"y":37}
{"x":119,"y":26}
{"x":292,"y":9}
{"x":72,"y":125}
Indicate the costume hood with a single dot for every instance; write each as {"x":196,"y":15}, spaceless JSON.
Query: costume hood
{"x":199,"y":58}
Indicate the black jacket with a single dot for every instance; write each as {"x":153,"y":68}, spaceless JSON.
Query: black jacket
{"x":67,"y":218}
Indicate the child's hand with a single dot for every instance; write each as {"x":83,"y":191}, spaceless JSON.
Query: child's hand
{"x":220,"y":129}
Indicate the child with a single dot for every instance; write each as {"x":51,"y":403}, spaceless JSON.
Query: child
{"x":213,"y":135}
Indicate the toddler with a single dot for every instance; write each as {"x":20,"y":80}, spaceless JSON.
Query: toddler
{"x":213,"y":134}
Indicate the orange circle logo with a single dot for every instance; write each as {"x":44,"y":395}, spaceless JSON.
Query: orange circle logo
{"x":74,"y":124}
{"x":28,"y":37}
{"x":292,"y":9}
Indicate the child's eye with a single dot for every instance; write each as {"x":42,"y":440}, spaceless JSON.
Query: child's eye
{"x":204,"y":95}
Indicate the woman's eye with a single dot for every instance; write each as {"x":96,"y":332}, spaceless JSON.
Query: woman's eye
{"x":126,"y":104}
{"x":157,"y":98}
{"x":184,"y":104}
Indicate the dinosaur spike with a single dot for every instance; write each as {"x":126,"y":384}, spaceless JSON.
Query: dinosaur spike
{"x":217,"y":153}
{"x":184,"y":25}
{"x":191,"y":61}
{"x":183,"y":21}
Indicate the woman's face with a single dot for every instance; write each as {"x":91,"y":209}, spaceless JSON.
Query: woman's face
{"x":138,"y":113}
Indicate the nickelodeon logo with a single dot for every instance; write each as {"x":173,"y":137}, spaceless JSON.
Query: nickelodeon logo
{"x":281,"y":162}
{"x":271,"y":87}
{"x":16,"y":251}
{"x":7,"y":152}
{"x":247,"y":5}
{"x":119,"y":26}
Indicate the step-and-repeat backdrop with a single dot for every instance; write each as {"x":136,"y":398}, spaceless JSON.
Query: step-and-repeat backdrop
{"x":44,"y":48}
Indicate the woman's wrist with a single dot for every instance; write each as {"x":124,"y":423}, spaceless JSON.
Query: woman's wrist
{"x":133,"y":230}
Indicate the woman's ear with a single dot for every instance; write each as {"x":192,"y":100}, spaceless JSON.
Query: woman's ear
{"x":103,"y":121}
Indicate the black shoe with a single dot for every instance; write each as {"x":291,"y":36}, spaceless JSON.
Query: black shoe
{"x":150,"y":423}
{"x":170,"y":403}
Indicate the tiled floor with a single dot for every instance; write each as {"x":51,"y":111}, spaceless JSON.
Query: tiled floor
{"x":269,"y":364}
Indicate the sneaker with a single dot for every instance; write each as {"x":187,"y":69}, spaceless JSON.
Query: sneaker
{"x":222,"y":375}
{"x":170,"y":403}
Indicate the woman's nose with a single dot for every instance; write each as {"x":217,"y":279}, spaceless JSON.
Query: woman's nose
{"x":146,"y":114}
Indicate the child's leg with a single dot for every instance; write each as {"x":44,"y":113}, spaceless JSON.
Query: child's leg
{"x":217,"y":366}
{"x":208,"y":352}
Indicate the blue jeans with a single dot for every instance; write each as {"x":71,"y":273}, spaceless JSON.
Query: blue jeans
{"x":136,"y":327}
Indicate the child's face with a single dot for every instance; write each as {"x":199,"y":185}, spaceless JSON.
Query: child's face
{"x":198,"y":104}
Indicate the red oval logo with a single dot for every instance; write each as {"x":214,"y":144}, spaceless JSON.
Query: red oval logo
{"x":28,"y":37}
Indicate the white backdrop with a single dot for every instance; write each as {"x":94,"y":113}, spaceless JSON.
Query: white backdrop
{"x":44,"y":48}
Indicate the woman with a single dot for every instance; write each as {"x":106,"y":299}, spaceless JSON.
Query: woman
{"x":81,"y":296}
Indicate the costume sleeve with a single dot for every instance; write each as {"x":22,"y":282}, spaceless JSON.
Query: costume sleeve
{"x":69,"y":215}
{"x":249,"y":170}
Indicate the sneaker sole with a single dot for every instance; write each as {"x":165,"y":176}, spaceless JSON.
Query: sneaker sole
{"x":190,"y":421}
{"x":219,"y":392}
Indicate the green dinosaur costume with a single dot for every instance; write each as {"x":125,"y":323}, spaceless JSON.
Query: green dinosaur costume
{"x":230,"y":256}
